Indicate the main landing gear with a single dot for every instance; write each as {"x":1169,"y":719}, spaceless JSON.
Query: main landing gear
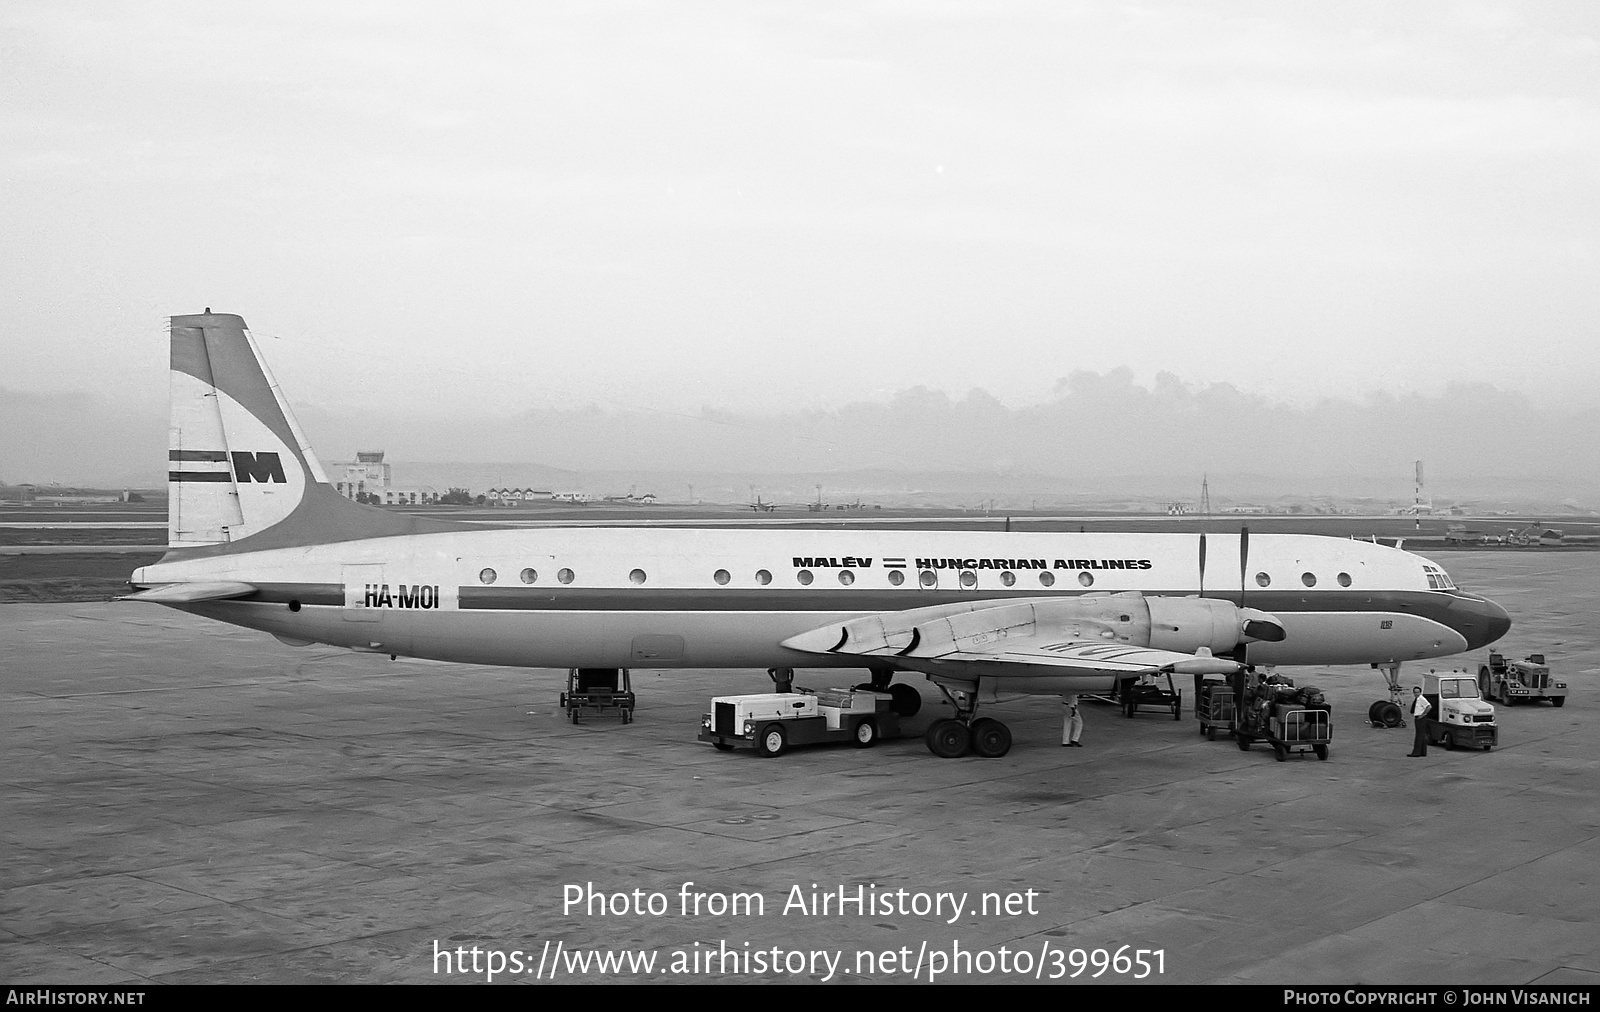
{"x":951,"y":737}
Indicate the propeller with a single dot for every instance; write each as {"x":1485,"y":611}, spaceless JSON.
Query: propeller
{"x":1240,"y":652}
{"x":1202,"y":564}
{"x":1244,"y":560}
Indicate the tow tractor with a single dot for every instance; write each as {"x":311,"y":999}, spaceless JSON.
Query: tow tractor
{"x":1460,"y":718}
{"x":771,"y":722}
{"x":1527,"y":681}
{"x":1271,"y":709}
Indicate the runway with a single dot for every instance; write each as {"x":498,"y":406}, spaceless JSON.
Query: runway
{"x":190,"y":802}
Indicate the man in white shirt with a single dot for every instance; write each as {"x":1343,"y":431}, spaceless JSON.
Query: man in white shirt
{"x":1420,"y":708}
{"x":1071,"y":724}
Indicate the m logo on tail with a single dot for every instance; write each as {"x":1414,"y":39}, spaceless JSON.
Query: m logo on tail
{"x":261,"y":467}
{"x":202,"y":465}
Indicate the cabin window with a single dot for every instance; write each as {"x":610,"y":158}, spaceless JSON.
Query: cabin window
{"x":529,"y":576}
{"x":1309,"y":579}
{"x":969,"y":579}
{"x":846,"y":577}
{"x":804,"y":576}
{"x":722,"y":577}
{"x":637,"y":577}
{"x":896,"y":578}
{"x":1047,"y":580}
{"x":1263,"y":580}
{"x":486,"y":576}
{"x":1008,"y":578}
{"x":927,"y":578}
{"x":1344,"y":579}
{"x":565,"y":576}
{"x":763,"y":577}
{"x":1086,"y":578}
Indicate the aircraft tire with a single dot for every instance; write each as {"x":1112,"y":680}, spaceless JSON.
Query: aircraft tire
{"x":866,"y":734}
{"x":904,"y":700}
{"x":1390,"y":715}
{"x":990,"y":738}
{"x":948,"y":739}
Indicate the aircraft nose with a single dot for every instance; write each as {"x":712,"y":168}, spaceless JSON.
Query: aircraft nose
{"x":1479,"y":621}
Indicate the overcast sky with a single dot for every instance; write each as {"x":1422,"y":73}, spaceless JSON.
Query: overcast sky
{"x":795,"y":206}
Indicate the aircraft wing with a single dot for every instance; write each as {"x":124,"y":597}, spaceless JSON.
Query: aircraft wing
{"x":189,"y":593}
{"x":1108,"y":635}
{"x":1049,"y":655}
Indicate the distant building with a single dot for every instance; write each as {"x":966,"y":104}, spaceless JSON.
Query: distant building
{"x":515,"y":496}
{"x":370,"y":475}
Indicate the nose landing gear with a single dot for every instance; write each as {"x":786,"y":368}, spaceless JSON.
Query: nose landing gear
{"x":1388,"y":712}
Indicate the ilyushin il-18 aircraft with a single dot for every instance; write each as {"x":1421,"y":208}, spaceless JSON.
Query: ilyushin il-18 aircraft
{"x":259,"y":538}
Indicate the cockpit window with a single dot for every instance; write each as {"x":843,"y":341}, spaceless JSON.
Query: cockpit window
{"x":1438,"y":579}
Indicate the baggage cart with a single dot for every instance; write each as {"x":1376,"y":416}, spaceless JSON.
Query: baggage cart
{"x":1291,"y":730}
{"x":1213,"y":706}
{"x":598,"y":691}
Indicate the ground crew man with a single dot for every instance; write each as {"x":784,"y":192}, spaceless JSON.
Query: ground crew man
{"x":1071,"y":724}
{"x":1420,"y":708}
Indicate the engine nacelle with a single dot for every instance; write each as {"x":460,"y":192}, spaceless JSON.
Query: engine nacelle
{"x":1186,"y":624}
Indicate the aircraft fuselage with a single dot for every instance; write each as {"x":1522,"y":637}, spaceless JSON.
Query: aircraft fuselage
{"x":671,"y":598}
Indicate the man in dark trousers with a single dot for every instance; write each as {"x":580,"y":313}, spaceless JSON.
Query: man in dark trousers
{"x":1420,"y":708}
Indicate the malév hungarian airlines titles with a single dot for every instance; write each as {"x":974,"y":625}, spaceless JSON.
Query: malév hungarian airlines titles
{"x":860,"y":562}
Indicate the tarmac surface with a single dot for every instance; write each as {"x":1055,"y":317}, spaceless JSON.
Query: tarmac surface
{"x":182,"y":801}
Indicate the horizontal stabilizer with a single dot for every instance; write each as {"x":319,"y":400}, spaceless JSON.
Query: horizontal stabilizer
{"x":190,"y":593}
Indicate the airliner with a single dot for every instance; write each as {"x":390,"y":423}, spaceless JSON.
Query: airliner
{"x":259,"y":538}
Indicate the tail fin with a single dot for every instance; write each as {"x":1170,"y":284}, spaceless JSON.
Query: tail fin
{"x":240,"y":469}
